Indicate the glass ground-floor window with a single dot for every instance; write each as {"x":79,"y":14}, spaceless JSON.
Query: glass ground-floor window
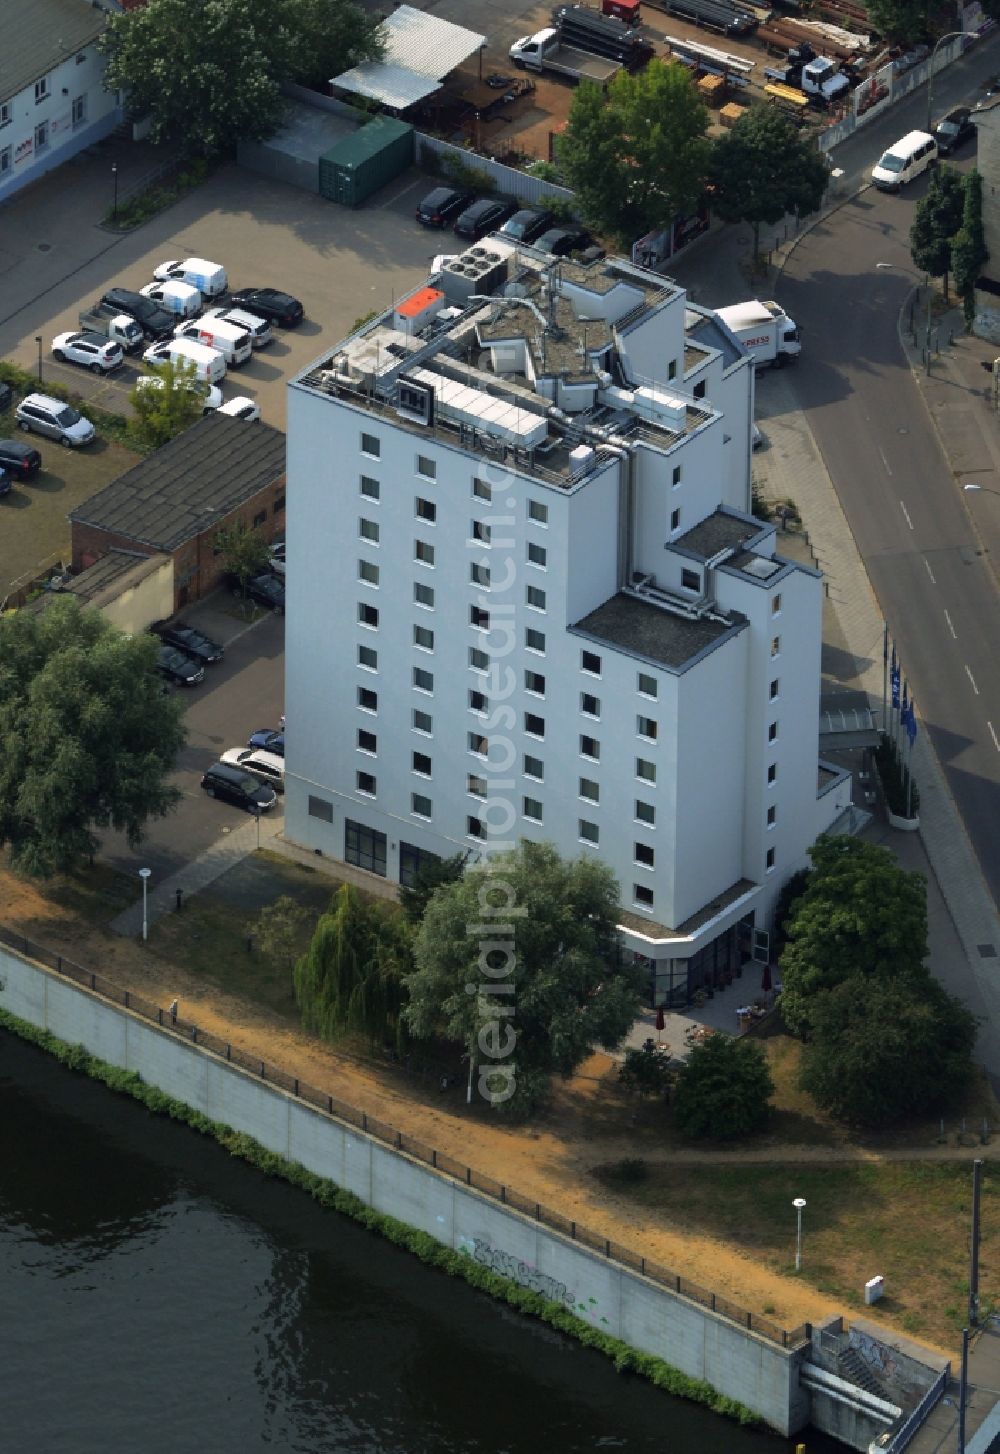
{"x":412,"y":860}
{"x":364,"y":847}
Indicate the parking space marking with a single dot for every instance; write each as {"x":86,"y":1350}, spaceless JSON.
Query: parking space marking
{"x":906,"y":513}
{"x":951,"y":628}
{"x":972,"y":679}
{"x":993,"y":734}
{"x":930,"y":572}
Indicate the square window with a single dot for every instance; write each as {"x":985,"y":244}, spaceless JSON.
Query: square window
{"x":79,"y":110}
{"x":320,"y":808}
{"x":590,"y":790}
{"x":422,"y":764}
{"x":368,"y":615}
{"x":426,"y":467}
{"x":370,"y":444}
{"x":423,"y":722}
{"x":368,"y":572}
{"x":699,"y":389}
{"x":675,"y":478}
{"x":772,"y":816}
{"x":534,"y":725}
{"x":426,"y":510}
{"x":482,"y":490}
{"x":41,"y":89}
{"x":769,"y":860}
{"x":646,"y":727}
{"x":645,"y":769}
{"x":691,"y":580}
{"x":368,"y":658}
{"x":775,"y":645}
{"x":672,"y":369}
{"x":367,"y":741}
{"x":479,"y":618}
{"x":420,"y":806}
{"x":535,"y":598}
{"x":538,"y":512}
{"x":279,"y":505}
{"x":675,"y":520}
{"x":368,"y":530}
{"x":774,"y":689}
{"x":645,"y":812}
{"x":534,"y":640}
{"x":772,"y":773}
{"x":478,"y":744}
{"x":772,"y":732}
{"x":6,"y":158}
{"x":475,"y":828}
{"x":423,"y":595}
{"x":537,"y":554}
{"x":367,"y":699}
{"x":776,"y":605}
{"x":259,"y":518}
{"x":479,"y":530}
{"x":423,"y":638}
{"x":590,"y":747}
{"x":478,"y":660}
{"x":479,"y":575}
{"x":423,"y":680}
{"x":647,"y":686}
{"x":365,"y":783}
{"x":534,"y":682}
{"x":475,"y":785}
{"x":590,"y":705}
{"x":534,"y":767}
{"x":645,"y":855}
{"x":41,"y":136}
{"x":423,"y":552}
{"x":532,"y":809}
{"x":369,"y":487}
{"x":590,"y":661}
{"x":478,"y":702}
{"x":589,"y":832}
{"x":642,"y":896}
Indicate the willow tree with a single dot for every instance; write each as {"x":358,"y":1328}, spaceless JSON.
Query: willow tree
{"x":349,"y":981}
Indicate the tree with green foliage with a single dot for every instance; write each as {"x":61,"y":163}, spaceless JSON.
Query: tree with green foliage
{"x":791,"y":891}
{"x":860,"y":914}
{"x":350,"y":981}
{"x":278,"y":930}
{"x":900,"y":21}
{"x":319,"y":39}
{"x":968,"y":249}
{"x":646,"y":1069}
{"x":432,"y":875}
{"x":639,"y":156}
{"x":723,"y":1090}
{"x":763,"y":170}
{"x":244,"y":553}
{"x":519,"y":962}
{"x":937,"y":219}
{"x":882,"y":1049}
{"x":89,"y":736}
{"x":165,"y":408}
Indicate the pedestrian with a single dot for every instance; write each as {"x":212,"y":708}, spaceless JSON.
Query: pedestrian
{"x":173,"y":1011}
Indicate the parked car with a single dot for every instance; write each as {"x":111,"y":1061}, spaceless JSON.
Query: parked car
{"x":559,"y":241}
{"x":181,"y":299}
{"x":6,"y":397}
{"x":277,"y":558}
{"x":236,"y":785}
{"x":210,"y":394}
{"x":527,"y":224}
{"x":177,"y":667}
{"x":259,"y":329}
{"x":6,"y":483}
{"x":268,"y":591}
{"x":19,"y":461}
{"x":185,"y":638}
{"x":955,"y":128}
{"x":208,"y":278}
{"x":442,"y":205}
{"x":241,"y":408}
{"x":40,"y":414}
{"x":265,"y":739}
{"x":94,"y":351}
{"x":267,"y":767}
{"x":155,"y":322}
{"x":270,"y":303}
{"x":482,"y":217}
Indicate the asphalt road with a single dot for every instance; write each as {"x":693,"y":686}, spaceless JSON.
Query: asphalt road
{"x":935,"y":588}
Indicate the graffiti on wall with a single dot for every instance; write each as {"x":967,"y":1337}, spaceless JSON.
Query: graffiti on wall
{"x":507,"y":1266}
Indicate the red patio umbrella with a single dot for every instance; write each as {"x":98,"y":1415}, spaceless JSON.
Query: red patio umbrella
{"x":765,"y":982}
{"x":659,"y":1019}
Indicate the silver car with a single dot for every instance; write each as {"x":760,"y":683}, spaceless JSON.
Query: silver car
{"x":41,"y":414}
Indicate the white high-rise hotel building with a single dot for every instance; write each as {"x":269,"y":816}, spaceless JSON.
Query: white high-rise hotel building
{"x":527,"y":598}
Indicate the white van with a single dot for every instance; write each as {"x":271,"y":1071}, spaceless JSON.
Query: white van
{"x":209,"y":364}
{"x":234,"y":343}
{"x":904,"y":160}
{"x":208,"y":277}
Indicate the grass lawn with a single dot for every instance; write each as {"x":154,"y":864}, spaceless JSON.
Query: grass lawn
{"x":97,"y":893}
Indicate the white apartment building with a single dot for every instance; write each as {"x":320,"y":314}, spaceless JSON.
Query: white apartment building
{"x":527,"y":599}
{"x":52,"y":97}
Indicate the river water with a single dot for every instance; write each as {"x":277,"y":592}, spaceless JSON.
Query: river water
{"x":159,"y":1297}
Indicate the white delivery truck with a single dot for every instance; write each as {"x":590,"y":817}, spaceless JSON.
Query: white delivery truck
{"x":117,"y":326}
{"x":822,"y":80}
{"x":175,"y":297}
{"x":765,"y":331}
{"x":208,"y":277}
{"x":209,"y":364}
{"x":234,"y":343}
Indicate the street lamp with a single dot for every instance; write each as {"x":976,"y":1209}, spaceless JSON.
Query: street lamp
{"x":927,"y":284}
{"x":114,"y":173}
{"x":798,"y":1204}
{"x":144,"y":874}
{"x":38,"y":340}
{"x":949,"y":35}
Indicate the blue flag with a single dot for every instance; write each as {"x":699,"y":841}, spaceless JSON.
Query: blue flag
{"x":910,"y":723}
{"x":895,"y":679}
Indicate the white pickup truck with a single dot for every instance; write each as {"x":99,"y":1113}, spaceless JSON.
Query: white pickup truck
{"x":545,"y":51}
{"x":765,"y":331}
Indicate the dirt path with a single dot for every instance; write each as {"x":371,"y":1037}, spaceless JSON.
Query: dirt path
{"x":550,"y":1162}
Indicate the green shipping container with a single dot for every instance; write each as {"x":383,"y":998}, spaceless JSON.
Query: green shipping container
{"x":354,"y":169}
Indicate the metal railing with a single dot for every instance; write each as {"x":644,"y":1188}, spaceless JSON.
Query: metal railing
{"x":445,"y":1165}
{"x":906,"y":1430}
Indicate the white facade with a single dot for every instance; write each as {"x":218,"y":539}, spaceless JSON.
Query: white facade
{"x":637,"y":675}
{"x":52,"y":97}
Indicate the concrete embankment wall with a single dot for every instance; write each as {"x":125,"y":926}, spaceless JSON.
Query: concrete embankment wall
{"x":739,"y":1363}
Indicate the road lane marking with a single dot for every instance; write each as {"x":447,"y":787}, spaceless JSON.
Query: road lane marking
{"x":930,"y":572}
{"x":972,"y":679}
{"x":906,"y":513}
{"x":996,"y":744}
{"x":951,"y":628}
{"x":885,"y":461}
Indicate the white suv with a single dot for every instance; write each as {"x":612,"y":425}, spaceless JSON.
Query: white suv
{"x":90,"y":350}
{"x":40,"y":414}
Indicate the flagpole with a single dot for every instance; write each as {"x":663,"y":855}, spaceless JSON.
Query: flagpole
{"x":885,"y":675}
{"x":911,"y":733}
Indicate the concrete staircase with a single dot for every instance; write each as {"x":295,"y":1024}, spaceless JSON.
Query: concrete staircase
{"x":853,"y":1368}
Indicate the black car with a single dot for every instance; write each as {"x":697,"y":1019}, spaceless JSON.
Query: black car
{"x":187,"y":639}
{"x":177,"y":667}
{"x":441,"y":205}
{"x":527,"y":224}
{"x":234,"y":785}
{"x":155,"y":322}
{"x":483,"y":217}
{"x":269,"y":303}
{"x":559,"y":241}
{"x":19,"y":461}
{"x":953,"y":129}
{"x":267,"y":590}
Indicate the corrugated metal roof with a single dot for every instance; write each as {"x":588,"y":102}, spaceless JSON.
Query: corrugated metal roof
{"x":420,"y":50}
{"x":190,"y":484}
{"x":35,"y":35}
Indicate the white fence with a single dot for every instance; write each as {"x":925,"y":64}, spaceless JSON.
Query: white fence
{"x":901,"y":86}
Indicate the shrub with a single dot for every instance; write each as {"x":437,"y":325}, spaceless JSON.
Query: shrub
{"x":723,"y":1091}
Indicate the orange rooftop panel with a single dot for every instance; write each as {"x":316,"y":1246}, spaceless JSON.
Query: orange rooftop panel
{"x":421,"y":300}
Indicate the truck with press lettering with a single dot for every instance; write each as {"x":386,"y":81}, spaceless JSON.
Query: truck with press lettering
{"x":765,"y":331}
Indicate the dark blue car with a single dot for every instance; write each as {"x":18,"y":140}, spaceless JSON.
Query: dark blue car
{"x":268,"y":740}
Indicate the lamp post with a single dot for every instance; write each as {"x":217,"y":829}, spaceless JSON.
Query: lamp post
{"x":949,"y":35}
{"x":38,"y":340}
{"x":927,"y":285}
{"x":144,"y":874}
{"x":798,"y":1204}
{"x":114,"y":173}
